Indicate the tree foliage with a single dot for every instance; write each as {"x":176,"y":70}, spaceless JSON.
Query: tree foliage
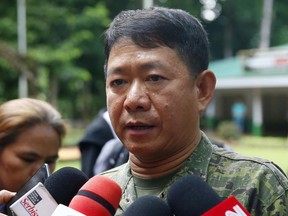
{"x":65,"y":45}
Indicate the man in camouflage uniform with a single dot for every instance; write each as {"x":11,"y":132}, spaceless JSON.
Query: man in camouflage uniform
{"x":157,"y":84}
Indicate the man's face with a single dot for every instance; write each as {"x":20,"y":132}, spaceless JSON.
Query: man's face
{"x":152,"y":100}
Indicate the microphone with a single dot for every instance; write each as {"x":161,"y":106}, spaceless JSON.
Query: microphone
{"x":63,"y":210}
{"x":37,"y":202}
{"x":99,"y":196}
{"x":229,"y":207}
{"x":148,"y":206}
{"x":42,"y":199}
{"x":40,"y":176}
{"x":190,"y":195}
{"x":64,"y":184}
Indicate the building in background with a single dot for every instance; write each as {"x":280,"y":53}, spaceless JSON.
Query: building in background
{"x":261,"y":79}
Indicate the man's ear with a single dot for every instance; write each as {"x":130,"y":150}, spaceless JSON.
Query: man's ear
{"x":205,"y":84}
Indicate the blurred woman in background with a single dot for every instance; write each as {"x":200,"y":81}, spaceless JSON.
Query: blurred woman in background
{"x":31,"y":133}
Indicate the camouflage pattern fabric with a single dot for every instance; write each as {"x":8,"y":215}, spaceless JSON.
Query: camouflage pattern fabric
{"x":256,"y":183}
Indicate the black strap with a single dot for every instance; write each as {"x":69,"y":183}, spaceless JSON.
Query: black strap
{"x":98,"y":199}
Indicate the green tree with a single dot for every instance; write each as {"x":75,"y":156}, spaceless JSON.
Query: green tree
{"x":64,"y":40}
{"x":65,"y":44}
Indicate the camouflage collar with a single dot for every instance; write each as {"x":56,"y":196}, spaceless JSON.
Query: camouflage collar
{"x":197,"y":164}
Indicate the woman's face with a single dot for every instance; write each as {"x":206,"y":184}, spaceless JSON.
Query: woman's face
{"x":21,"y":159}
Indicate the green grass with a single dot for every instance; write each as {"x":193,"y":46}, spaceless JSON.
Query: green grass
{"x":74,"y":163}
{"x":271,"y":148}
{"x":73,"y":136}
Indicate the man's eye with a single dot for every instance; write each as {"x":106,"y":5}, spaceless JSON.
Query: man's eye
{"x":155,"y":78}
{"x":117,"y":82}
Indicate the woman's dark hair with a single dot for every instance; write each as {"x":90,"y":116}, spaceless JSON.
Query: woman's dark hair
{"x":19,"y":114}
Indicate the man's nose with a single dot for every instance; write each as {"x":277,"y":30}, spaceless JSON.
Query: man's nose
{"x":137,"y":98}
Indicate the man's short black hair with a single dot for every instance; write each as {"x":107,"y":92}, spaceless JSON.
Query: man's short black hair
{"x":158,"y":26}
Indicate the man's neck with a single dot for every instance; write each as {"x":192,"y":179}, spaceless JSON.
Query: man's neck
{"x":158,"y":168}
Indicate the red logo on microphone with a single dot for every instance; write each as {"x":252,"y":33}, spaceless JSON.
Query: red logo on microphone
{"x":29,"y":207}
{"x":30,"y":201}
{"x":229,"y":207}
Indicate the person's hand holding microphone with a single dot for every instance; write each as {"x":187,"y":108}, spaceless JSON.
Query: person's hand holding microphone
{"x":5,"y":196}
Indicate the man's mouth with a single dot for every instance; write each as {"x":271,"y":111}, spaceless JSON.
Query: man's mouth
{"x":139,"y":127}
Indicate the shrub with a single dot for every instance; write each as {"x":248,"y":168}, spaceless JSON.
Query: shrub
{"x":228,"y":130}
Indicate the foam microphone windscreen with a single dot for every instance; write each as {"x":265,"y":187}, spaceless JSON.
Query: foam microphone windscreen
{"x":148,"y":206}
{"x":64,"y":184}
{"x":99,"y":196}
{"x":190,"y":195}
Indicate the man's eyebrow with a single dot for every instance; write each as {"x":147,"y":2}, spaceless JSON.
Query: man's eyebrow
{"x":115,"y":70}
{"x":145,"y":66}
{"x":151,"y":65}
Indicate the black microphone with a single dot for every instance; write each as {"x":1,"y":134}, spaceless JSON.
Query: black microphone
{"x":59,"y":188}
{"x":148,"y":206}
{"x":65,"y":183}
{"x":191,"y":196}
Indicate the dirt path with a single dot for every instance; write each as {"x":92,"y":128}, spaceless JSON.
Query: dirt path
{"x":69,"y":153}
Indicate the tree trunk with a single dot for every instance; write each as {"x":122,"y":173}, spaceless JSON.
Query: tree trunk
{"x":53,"y":85}
{"x":228,"y":52}
{"x":266,"y":22}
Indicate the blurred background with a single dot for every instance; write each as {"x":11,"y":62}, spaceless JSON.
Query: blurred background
{"x":53,"y":50}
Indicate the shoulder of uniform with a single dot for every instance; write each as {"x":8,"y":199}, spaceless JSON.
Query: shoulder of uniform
{"x":120,"y":174}
{"x":112,"y":171}
{"x":233,"y":159}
